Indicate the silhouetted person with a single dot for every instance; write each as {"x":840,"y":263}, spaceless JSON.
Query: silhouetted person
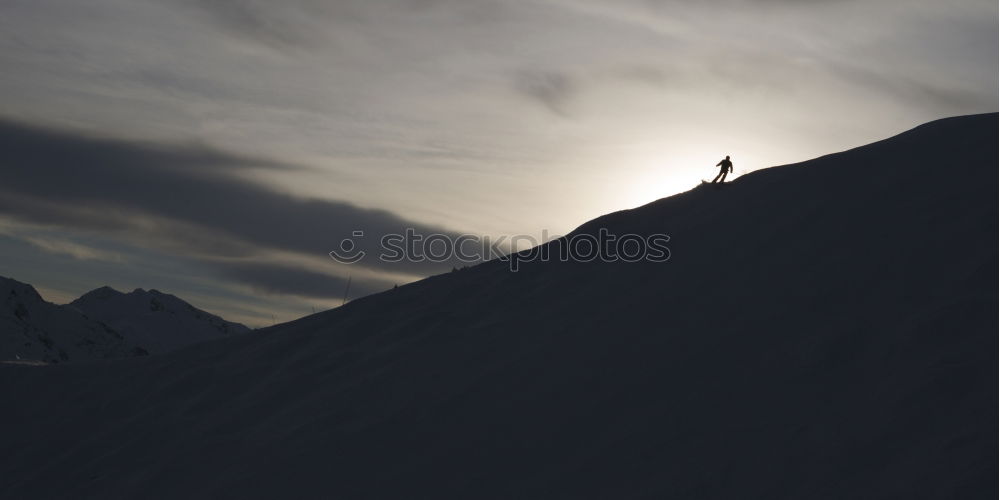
{"x":727,"y":166}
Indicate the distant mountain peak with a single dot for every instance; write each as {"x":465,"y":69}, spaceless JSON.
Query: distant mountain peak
{"x":103,"y":293}
{"x":12,"y":287}
{"x":36,"y":330}
{"x":158,"y":321}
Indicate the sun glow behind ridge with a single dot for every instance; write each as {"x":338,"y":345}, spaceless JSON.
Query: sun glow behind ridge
{"x":658,"y":173}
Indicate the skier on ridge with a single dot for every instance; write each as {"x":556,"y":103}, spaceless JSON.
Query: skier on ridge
{"x":727,"y":166}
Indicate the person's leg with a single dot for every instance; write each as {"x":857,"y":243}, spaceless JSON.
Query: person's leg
{"x":716,"y":179}
{"x":723,"y":179}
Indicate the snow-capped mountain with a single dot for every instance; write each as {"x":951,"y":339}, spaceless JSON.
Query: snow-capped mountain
{"x":158,"y":321}
{"x":823,"y":330}
{"x":32,"y":329}
{"x":103,"y":323}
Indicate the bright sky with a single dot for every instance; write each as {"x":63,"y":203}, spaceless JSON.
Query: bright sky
{"x":482,"y":116}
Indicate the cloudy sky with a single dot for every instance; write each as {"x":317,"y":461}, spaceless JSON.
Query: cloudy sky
{"x":219,"y":149}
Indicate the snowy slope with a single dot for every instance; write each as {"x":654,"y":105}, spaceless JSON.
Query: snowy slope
{"x":822,"y":330}
{"x":32,"y":329}
{"x":157,"y":321}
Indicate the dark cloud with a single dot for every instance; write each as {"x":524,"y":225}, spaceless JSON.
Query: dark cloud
{"x":186,"y":195}
{"x":286,"y":280}
{"x":799,"y":3}
{"x":647,"y":74}
{"x":308,"y":23}
{"x":178,"y":84}
{"x":730,"y":3}
{"x":78,"y":153}
{"x":280,"y":24}
{"x":552,"y":89}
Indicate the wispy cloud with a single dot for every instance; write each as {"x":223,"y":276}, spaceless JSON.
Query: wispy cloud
{"x":293,"y":23}
{"x":75,"y":250}
{"x":281,"y":279}
{"x":552,"y":89}
{"x":188,"y":201}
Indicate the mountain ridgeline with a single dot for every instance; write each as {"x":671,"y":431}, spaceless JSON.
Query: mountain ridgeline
{"x":33,"y":330}
{"x":158,"y":321}
{"x":821,"y":330}
{"x":102,"y":324}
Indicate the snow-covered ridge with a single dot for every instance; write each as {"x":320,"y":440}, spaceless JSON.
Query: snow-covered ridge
{"x":160,"y":322}
{"x":32,"y":329}
{"x":103,"y":323}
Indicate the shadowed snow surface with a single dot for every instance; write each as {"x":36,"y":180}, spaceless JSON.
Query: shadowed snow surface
{"x":822,"y":330}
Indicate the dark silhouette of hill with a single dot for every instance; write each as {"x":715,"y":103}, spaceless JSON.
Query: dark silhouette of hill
{"x":822,"y":330}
